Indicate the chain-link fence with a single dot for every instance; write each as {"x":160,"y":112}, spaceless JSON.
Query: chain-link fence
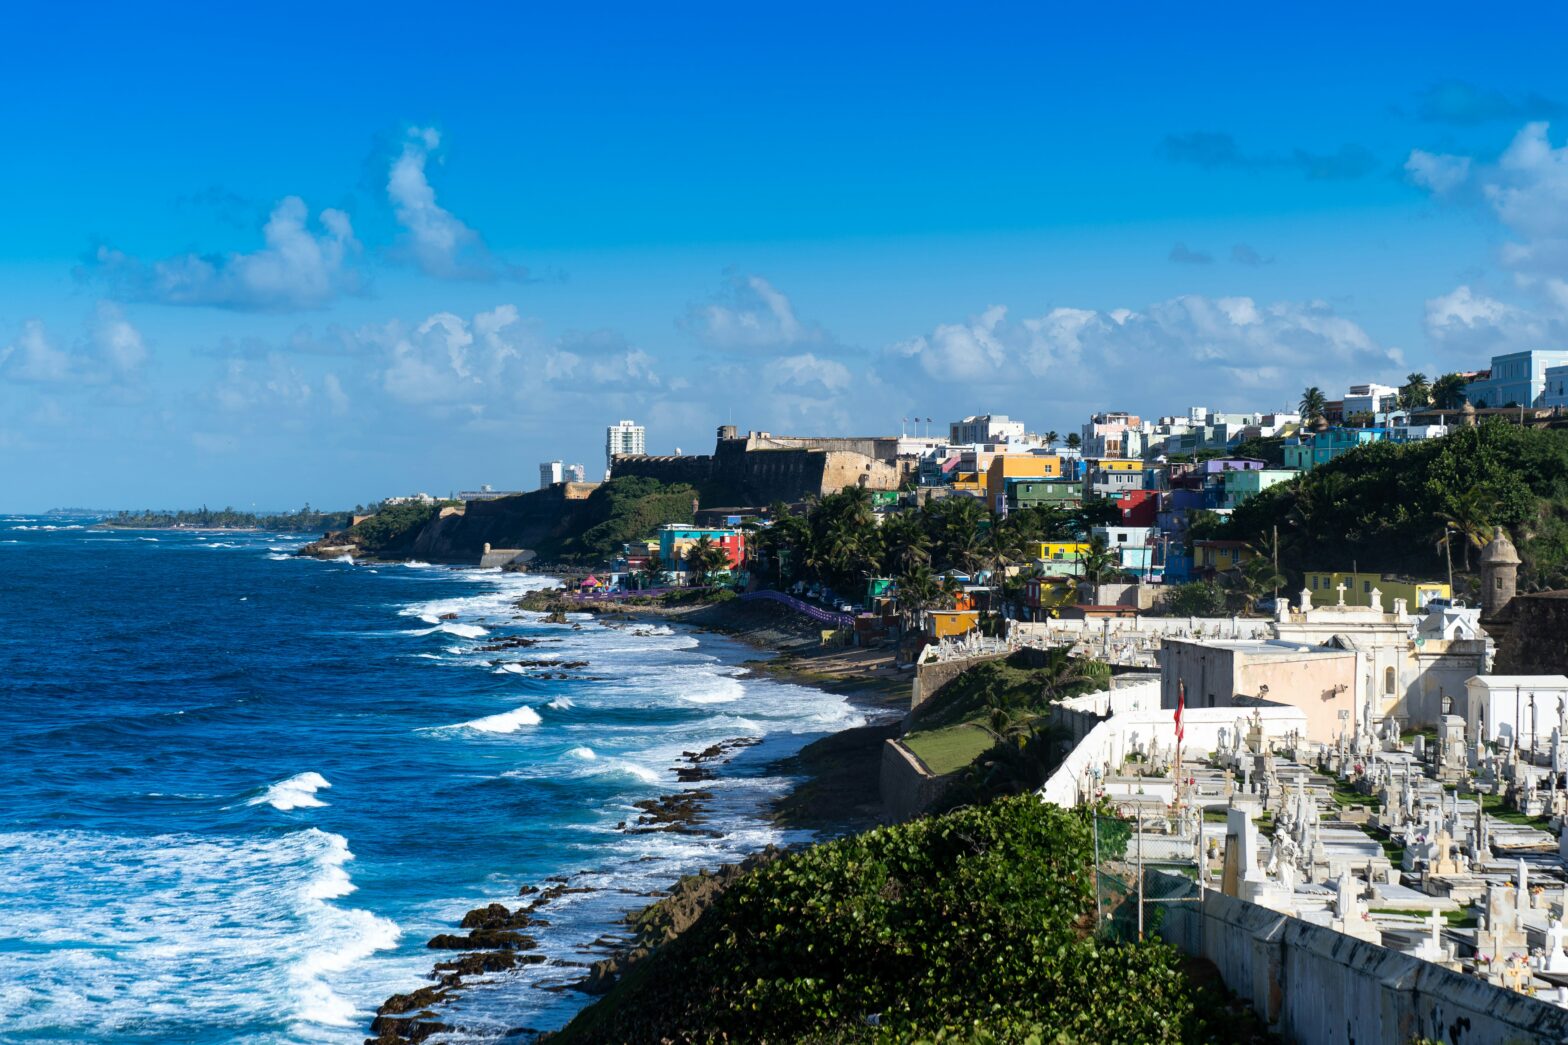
{"x":1145,"y":860}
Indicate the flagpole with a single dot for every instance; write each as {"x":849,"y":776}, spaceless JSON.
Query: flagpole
{"x":1181,"y":701}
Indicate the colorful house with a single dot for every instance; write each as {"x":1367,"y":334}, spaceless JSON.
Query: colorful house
{"x":1052,"y":552}
{"x":1057,"y":493}
{"x":1211,"y":557}
{"x":1324,"y":586}
{"x":1306,"y":452}
{"x":675,"y":539}
{"x":1045,"y":596}
{"x":1138,"y":507}
{"x":1109,"y":476}
{"x":1017,"y":466}
{"x":942,"y":624}
{"x":1242,"y":486}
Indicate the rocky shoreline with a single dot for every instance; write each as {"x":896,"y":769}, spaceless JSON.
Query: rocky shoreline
{"x":832,"y":797}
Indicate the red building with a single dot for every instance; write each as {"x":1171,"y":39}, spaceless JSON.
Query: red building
{"x":1138,"y":507}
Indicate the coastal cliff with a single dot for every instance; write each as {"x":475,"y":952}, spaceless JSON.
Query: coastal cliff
{"x":556,"y":523}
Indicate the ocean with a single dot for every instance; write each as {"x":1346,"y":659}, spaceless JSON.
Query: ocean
{"x":243,"y":788}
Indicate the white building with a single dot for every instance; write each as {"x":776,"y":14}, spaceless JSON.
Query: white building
{"x":550,"y":473}
{"x":623,"y":438}
{"x":986,"y":428}
{"x":1113,"y":435}
{"x":576,"y":473}
{"x":1524,"y":708}
{"x":1371,"y":399}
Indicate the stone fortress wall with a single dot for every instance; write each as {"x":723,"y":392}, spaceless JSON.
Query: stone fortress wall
{"x":760,"y":468}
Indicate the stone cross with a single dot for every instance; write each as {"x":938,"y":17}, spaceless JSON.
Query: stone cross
{"x":1340,"y":587}
{"x":1556,"y":960}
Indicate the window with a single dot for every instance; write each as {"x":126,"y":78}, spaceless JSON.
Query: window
{"x":1388,"y":681}
{"x":1366,"y":587}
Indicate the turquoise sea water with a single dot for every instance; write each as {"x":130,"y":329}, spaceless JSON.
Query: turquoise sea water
{"x":242,"y":789}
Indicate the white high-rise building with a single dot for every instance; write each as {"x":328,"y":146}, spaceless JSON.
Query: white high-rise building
{"x":576,"y":473}
{"x":550,"y":473}
{"x":624,"y":437}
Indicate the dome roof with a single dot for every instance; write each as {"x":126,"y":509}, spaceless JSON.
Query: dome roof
{"x":1500,"y":551}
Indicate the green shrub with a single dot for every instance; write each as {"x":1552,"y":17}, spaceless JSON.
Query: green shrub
{"x":972,"y":926}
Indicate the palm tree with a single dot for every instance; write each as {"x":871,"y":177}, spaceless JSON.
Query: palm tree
{"x":1468,"y":513}
{"x":1448,"y":392}
{"x":1313,"y":403}
{"x":1098,"y":561}
{"x":1050,"y":439}
{"x":916,"y":592}
{"x":1253,"y":579}
{"x":704,"y":558}
{"x":653,"y":572}
{"x":1074,"y":440}
{"x":905,"y":543}
{"x":1416,"y":393}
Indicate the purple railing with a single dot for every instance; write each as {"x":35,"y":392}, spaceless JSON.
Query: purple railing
{"x":816,"y":613}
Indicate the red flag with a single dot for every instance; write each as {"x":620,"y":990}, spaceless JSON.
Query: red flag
{"x":1181,"y":702}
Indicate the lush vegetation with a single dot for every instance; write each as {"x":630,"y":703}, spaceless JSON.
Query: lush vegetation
{"x":394,"y":526}
{"x":1011,"y":699}
{"x":1389,"y":506}
{"x":628,"y":508}
{"x":839,"y":542}
{"x":306,"y":520}
{"x":973,"y":926}
{"x":1196,"y":599}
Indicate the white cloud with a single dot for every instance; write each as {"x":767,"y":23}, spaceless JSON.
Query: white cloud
{"x":112,"y":352}
{"x":438,"y":241}
{"x":118,"y":342}
{"x":1440,"y":174}
{"x":751,"y":313}
{"x":297,"y":268}
{"x":1190,"y":349}
{"x":807,"y":375}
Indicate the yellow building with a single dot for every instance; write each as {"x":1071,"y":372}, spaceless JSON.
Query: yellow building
{"x":1058,"y":551}
{"x":941,"y":624}
{"x":1017,"y":466}
{"x":1218,"y":556}
{"x":1324,"y":586}
{"x":968,"y":482}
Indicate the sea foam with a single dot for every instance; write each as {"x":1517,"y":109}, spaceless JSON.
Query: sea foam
{"x":506,"y":722}
{"x":297,"y":792}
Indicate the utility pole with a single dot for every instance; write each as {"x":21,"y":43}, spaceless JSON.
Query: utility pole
{"x":1448,"y":558}
{"x":1276,"y":567}
{"x":1138,"y":826}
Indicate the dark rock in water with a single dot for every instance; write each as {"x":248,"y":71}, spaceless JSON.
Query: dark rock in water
{"x":391,"y":1031}
{"x":483,"y":940}
{"x":420,"y":999}
{"x":479,"y":964}
{"x":447,"y":616}
{"x":496,"y":916}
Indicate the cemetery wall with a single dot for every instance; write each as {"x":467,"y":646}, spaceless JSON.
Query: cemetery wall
{"x":1317,"y":986}
{"x":1109,"y":741}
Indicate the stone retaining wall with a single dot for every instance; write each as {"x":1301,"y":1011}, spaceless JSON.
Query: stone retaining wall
{"x":1320,"y":987}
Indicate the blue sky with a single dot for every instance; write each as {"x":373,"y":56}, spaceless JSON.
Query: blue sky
{"x":337,"y":252}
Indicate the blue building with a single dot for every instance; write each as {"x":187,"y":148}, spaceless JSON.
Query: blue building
{"x":1516,"y":379}
{"x":1306,"y":452}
